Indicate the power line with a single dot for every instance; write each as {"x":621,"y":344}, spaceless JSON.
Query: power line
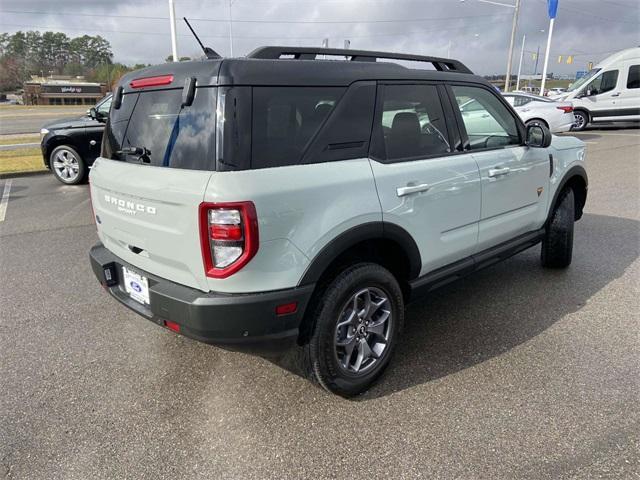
{"x":140,"y":17}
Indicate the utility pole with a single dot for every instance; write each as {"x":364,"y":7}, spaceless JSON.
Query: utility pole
{"x":512,"y":42}
{"x":524,"y":38}
{"x":174,"y":41}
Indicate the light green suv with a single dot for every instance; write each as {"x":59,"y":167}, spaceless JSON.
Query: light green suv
{"x":285,"y":203}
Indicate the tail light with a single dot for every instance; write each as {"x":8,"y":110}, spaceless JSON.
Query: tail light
{"x":228,"y":236}
{"x":565,"y":109}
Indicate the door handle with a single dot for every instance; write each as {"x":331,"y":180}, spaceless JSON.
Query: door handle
{"x":497,"y":172}
{"x":409,"y":189}
{"x":617,"y":94}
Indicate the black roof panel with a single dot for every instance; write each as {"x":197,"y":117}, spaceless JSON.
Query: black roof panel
{"x":301,"y":71}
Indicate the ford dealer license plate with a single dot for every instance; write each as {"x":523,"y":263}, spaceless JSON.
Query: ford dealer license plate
{"x":136,"y":286}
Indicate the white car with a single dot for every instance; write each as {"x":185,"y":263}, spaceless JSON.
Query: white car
{"x":556,"y":116}
{"x":556,"y":92}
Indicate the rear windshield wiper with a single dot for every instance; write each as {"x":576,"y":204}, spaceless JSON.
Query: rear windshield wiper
{"x":142,"y":153}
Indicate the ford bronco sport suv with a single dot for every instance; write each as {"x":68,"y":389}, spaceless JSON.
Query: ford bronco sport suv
{"x":285,"y":201}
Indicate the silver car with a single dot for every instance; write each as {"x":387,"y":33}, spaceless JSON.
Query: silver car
{"x":556,"y":116}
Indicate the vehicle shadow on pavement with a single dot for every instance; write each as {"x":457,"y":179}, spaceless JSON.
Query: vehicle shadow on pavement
{"x":495,"y":310}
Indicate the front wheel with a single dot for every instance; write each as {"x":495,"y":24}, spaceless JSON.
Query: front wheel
{"x":357,"y":322}
{"x":581,"y":120}
{"x":557,"y":243}
{"x":67,"y":165}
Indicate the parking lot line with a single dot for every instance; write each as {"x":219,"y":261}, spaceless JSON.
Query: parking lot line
{"x":4,"y":200}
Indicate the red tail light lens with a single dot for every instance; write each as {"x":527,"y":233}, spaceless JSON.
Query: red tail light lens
{"x":565,"y":109}
{"x":151,"y":81}
{"x":228,"y":236}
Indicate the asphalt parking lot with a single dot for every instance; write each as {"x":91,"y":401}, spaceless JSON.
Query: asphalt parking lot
{"x":515,"y":372}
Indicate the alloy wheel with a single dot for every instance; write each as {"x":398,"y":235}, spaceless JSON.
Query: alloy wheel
{"x":66,"y":165}
{"x":363,"y":330}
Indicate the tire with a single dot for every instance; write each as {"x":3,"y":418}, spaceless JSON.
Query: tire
{"x":581,"y":120}
{"x":67,"y":165}
{"x":557,"y":243}
{"x":340,"y":314}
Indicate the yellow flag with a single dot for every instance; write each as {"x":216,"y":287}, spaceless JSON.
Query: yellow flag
{"x":559,"y":58}
{"x":570,"y":59}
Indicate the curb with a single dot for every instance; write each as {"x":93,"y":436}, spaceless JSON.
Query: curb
{"x":23,"y":174}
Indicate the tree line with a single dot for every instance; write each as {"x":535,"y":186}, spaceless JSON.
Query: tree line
{"x":23,"y":54}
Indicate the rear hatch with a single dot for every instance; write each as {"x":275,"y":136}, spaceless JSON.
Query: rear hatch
{"x":157,"y":158}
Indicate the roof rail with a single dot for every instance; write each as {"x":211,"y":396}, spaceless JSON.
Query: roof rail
{"x":310,"y":53}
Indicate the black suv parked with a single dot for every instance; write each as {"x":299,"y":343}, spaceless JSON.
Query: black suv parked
{"x":69,"y":146}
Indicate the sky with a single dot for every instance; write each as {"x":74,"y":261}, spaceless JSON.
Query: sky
{"x":476,"y":32}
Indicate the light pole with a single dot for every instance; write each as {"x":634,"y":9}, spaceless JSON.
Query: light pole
{"x":230,"y":29}
{"x":512,"y":41}
{"x":524,"y":38}
{"x":174,"y":40}
{"x":553,"y":11}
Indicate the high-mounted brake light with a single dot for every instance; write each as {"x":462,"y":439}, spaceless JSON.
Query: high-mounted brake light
{"x":565,"y":109}
{"x":228,"y":237}
{"x":151,"y":81}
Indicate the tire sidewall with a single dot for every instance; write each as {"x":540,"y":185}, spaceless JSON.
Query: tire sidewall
{"x":325,"y":364}
{"x":82,"y":168}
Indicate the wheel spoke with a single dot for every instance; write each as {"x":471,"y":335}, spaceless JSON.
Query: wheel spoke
{"x":376,"y":306}
{"x":350,"y":320}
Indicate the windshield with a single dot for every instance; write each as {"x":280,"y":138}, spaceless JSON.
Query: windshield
{"x":581,"y":81}
{"x":154,"y":128}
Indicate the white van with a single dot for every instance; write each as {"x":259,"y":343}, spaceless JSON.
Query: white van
{"x":608,"y":93}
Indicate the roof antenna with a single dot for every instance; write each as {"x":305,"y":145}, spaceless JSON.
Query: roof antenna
{"x":209,"y":52}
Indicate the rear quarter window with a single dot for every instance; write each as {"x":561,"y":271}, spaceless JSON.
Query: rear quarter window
{"x":285,"y":120}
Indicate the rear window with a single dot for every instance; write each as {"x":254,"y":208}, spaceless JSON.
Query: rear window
{"x":171,"y":135}
{"x":285,"y":120}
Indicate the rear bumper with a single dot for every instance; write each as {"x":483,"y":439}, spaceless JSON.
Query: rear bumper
{"x":243,"y":322}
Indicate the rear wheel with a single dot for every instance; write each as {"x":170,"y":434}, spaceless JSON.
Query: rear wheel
{"x":557,"y":244}
{"x":357,"y":321}
{"x":67,"y":165}
{"x":581,"y":120}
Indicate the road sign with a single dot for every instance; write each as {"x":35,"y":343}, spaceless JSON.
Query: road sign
{"x":580,"y":74}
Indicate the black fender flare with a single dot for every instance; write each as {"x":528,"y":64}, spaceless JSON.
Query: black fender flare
{"x":360,"y":233}
{"x":575,"y":171}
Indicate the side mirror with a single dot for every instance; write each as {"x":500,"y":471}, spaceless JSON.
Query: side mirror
{"x":538,"y":136}
{"x":93,"y":113}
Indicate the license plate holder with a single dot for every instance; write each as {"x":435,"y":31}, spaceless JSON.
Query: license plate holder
{"x":136,"y":286}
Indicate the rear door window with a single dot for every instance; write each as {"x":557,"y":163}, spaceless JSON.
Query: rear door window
{"x":172,"y":135}
{"x":412,"y":123}
{"x":285,"y":121}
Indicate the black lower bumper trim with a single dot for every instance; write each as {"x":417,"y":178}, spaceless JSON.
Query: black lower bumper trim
{"x":244,"y":322}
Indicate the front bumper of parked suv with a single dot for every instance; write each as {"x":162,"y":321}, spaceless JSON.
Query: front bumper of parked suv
{"x":242,"y":322}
